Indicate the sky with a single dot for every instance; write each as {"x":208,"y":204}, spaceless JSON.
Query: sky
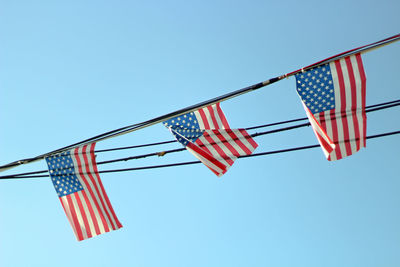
{"x":73,"y":69}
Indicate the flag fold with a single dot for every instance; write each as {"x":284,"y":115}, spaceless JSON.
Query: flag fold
{"x":207,"y":135}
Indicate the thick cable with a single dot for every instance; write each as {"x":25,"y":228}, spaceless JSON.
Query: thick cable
{"x":162,"y":153}
{"x":196,"y":162}
{"x":370,"y":108}
{"x":138,"y":126}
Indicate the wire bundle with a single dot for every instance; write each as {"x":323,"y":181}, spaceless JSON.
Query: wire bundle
{"x":371,"y":108}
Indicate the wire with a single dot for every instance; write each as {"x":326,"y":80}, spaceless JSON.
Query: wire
{"x":196,"y":162}
{"x":370,"y":108}
{"x":138,"y":126}
{"x":376,"y":107}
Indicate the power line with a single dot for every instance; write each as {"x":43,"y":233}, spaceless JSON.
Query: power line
{"x":196,"y":162}
{"x":138,"y":126}
{"x":370,"y":108}
{"x":375,"y":107}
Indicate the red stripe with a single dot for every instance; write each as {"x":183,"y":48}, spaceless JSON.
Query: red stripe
{"x":353,"y":88}
{"x":324,"y":143}
{"x":204,"y":119}
{"x":343,"y":118}
{"x":74,"y":218}
{"x":222,"y":116}
{"x":91,"y":211}
{"x":212,"y":115}
{"x":83,"y":214}
{"x":207,"y":156}
{"x":81,"y":175}
{"x":217,"y":148}
{"x":236,"y":139}
{"x":363,"y":95}
{"x":335,"y":134}
{"x":202,"y":146}
{"x":322,"y":121}
{"x":248,"y":138}
{"x":319,"y":125}
{"x":226,"y":143}
{"x":88,"y":172}
{"x":96,"y":172}
{"x":67,"y":213}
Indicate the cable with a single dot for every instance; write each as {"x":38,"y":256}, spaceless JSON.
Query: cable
{"x":196,"y":162}
{"x":138,"y":126}
{"x":162,"y":153}
{"x":379,"y":106}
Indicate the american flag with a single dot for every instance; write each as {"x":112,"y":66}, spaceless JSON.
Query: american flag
{"x":207,"y":135}
{"x":333,"y":96}
{"x":77,"y":182}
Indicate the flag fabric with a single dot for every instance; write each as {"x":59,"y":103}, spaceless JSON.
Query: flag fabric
{"x":77,"y":182}
{"x":207,"y":135}
{"x":333,"y":97}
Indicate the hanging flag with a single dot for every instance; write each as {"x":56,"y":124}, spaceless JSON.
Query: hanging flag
{"x":333,"y":97}
{"x":77,"y":182}
{"x":207,"y":135}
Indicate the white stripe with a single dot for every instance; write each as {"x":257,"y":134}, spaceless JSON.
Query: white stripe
{"x":221,"y":145}
{"x":244,"y":140}
{"x":88,"y":215}
{"x":329,"y":131}
{"x":217,"y":117}
{"x":240,"y":138}
{"x":102,"y":196}
{"x":79,"y":216}
{"x":89,"y":196}
{"x":212,"y":150}
{"x":207,"y":162}
{"x":315,"y":127}
{"x":233,"y":143}
{"x":69,"y":214}
{"x":349,"y":100}
{"x":199,"y":119}
{"x":92,"y":185}
{"x":318,"y":131}
{"x":209,"y":119}
{"x":360,"y":118}
{"x":339,"y":122}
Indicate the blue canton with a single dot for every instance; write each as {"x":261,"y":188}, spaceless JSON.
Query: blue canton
{"x":62,"y":173}
{"x":185,"y":128}
{"x":315,"y":88}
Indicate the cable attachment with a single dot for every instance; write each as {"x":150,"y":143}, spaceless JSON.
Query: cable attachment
{"x":162,"y":153}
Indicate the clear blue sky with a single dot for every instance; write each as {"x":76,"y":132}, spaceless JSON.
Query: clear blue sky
{"x":70,"y":70}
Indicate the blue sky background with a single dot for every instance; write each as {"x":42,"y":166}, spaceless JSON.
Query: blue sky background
{"x":70,"y":70}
